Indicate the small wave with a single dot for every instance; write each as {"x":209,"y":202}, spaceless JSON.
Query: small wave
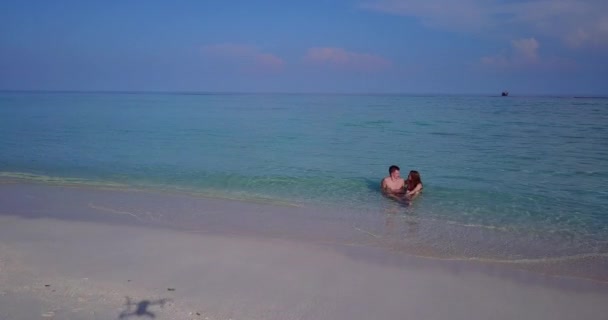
{"x":462,"y":224}
{"x":590,"y":97}
{"x":111,"y":210}
{"x":532,"y":260}
{"x":473,"y":225}
{"x":9,"y":177}
{"x":63,"y":181}
{"x":369,"y":124}
{"x":244,"y":198}
{"x":443,"y":134}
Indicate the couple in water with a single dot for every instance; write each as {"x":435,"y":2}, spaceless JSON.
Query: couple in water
{"x":396,"y":188}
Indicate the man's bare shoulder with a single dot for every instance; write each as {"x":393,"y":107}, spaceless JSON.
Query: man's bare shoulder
{"x":383,"y":182}
{"x":388,"y":181}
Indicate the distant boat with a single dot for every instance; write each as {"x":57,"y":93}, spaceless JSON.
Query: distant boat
{"x":505,"y":93}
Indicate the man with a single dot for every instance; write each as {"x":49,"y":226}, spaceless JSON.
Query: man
{"x":393,"y":184}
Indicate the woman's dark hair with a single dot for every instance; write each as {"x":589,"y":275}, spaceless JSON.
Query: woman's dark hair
{"x":413,"y":180}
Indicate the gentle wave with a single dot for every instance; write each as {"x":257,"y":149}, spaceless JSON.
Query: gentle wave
{"x":536,"y":260}
{"x":54,"y":180}
{"x":11,"y":177}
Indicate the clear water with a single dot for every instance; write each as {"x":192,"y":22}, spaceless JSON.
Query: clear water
{"x":533,"y":167}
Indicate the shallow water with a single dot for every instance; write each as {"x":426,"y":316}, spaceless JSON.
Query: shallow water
{"x":516,"y":177}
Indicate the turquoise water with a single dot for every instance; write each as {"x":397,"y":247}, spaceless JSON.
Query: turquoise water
{"x":534,"y":166}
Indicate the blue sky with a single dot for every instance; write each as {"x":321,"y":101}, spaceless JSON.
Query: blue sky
{"x":358,"y":46}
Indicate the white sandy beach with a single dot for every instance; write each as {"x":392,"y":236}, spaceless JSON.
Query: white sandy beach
{"x":65,"y":269}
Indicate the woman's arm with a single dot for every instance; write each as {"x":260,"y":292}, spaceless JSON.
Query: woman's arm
{"x":417,"y":189}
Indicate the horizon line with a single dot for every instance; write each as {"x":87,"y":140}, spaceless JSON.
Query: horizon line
{"x":187,"y":92}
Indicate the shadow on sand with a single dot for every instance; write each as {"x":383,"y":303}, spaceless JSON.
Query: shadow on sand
{"x":141,"y":308}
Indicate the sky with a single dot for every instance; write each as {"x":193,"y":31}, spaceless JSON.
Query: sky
{"x":341,"y":46}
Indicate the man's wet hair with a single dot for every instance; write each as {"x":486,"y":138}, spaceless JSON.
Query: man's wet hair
{"x":392,"y":169}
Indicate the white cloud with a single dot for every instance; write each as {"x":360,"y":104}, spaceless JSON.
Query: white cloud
{"x":526,"y":49}
{"x":575,"y":22}
{"x":524,"y":53}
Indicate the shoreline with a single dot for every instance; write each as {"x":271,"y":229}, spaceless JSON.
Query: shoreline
{"x":62,"y":259}
{"x":394,"y":233}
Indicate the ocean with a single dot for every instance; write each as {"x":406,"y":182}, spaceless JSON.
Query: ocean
{"x":504,"y":177}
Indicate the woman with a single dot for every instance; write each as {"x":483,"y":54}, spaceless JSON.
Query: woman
{"x":413,"y":185}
